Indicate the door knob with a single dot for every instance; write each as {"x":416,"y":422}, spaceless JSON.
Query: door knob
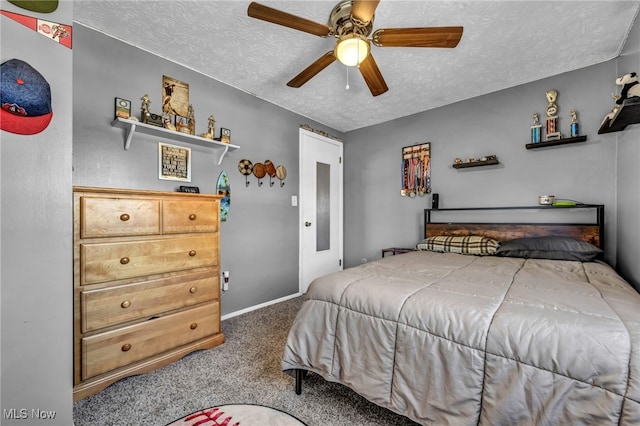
{"x":307,"y":224}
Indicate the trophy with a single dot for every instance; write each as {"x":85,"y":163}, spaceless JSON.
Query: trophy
{"x":536,"y":129}
{"x":574,"y":124}
{"x":552,"y":119}
{"x":211,"y":129}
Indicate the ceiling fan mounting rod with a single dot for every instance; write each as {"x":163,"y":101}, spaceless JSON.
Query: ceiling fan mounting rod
{"x":342,"y":22}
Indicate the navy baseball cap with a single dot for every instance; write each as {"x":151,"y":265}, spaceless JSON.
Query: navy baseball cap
{"x":25,"y":99}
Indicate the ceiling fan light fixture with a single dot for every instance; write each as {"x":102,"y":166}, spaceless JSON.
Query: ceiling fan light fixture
{"x":352,"y":49}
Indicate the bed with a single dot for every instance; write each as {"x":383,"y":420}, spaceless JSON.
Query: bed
{"x":525,"y":334}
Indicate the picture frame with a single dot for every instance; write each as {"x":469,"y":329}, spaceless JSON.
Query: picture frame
{"x":225,"y":135}
{"x":122,"y":108}
{"x":153,"y":119}
{"x":174,"y":162}
{"x":175,"y":96}
{"x":182,"y":124}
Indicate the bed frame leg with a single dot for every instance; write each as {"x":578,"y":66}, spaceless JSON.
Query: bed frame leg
{"x":299,"y":375}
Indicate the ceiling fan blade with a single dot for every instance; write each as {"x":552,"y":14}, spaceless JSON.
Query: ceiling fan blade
{"x":313,"y":69}
{"x":363,"y":10}
{"x":285,"y":19}
{"x":418,"y":37}
{"x":372,"y":76}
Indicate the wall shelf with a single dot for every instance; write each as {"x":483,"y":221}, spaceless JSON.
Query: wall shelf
{"x":556,"y":142}
{"x":476,"y":164}
{"x":629,"y":113}
{"x":132,"y":126}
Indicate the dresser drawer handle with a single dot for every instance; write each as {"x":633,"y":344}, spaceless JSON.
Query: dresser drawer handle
{"x":125,"y":304}
{"x":126,"y":347}
{"x":193,"y":289}
{"x":192,"y":253}
{"x":124,"y":217}
{"x":194,"y":325}
{"x":192,"y":216}
{"x":124,"y":260}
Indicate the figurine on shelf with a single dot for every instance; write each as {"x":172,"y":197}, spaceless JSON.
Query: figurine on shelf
{"x":167,"y":123}
{"x":211,"y":129}
{"x":536,"y":129}
{"x":574,"y":123}
{"x":192,"y":120}
{"x":144,"y":108}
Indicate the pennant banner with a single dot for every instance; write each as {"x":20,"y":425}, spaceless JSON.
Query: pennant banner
{"x":60,"y":33}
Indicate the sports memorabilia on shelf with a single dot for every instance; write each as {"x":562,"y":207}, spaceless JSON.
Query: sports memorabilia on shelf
{"x":225,"y":135}
{"x":182,"y":124}
{"x":553,"y":132}
{"x":123,"y":108}
{"x":575,"y":126}
{"x":210,"y":129}
{"x":536,"y":129}
{"x":175,"y":97}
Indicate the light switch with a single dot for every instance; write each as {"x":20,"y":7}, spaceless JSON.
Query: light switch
{"x":294,"y":201}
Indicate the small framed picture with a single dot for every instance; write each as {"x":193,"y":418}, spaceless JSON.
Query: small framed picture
{"x":123,"y":108}
{"x":182,"y":124}
{"x":153,"y":119}
{"x":225,"y":135}
{"x":174,"y":162}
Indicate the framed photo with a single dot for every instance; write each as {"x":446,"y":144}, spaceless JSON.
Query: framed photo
{"x":225,"y":135}
{"x":182,"y":124}
{"x":175,"y":97}
{"x":174,"y":162}
{"x":153,"y":119}
{"x":123,"y":108}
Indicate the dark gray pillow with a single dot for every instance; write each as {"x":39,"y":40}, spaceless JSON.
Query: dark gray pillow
{"x":552,"y":247}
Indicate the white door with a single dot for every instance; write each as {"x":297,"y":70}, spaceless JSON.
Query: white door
{"x":320,"y":207}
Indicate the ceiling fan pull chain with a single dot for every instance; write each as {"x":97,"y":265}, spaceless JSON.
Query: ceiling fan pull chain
{"x":347,"y":88}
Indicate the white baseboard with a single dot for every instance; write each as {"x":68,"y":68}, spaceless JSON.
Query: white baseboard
{"x":262,"y":305}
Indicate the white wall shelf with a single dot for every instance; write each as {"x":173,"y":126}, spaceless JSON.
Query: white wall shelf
{"x":132,"y":126}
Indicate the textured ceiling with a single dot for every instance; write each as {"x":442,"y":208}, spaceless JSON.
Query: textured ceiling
{"x":504,"y":44}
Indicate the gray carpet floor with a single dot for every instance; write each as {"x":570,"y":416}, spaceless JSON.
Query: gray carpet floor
{"x":243,"y":370}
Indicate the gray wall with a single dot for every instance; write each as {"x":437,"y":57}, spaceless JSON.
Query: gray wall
{"x":36,"y":249}
{"x":259,"y":241}
{"x":628,"y":173}
{"x":496,"y":123}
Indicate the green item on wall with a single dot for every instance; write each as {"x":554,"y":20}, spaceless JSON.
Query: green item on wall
{"x":40,"y":6}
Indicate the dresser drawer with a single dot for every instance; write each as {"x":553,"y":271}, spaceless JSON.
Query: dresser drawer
{"x":102,"y":262}
{"x":107,"y":351}
{"x":115,"y":305}
{"x":112,"y":217}
{"x":189,"y":216}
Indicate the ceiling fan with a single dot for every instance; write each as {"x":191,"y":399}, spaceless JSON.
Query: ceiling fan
{"x":351,"y":22}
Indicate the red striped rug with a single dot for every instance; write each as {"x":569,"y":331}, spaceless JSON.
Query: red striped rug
{"x":238,"y":415}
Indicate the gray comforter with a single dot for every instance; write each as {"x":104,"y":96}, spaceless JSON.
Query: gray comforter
{"x":445,"y":338}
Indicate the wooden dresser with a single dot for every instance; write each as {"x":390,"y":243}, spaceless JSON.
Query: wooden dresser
{"x":146,"y":282}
